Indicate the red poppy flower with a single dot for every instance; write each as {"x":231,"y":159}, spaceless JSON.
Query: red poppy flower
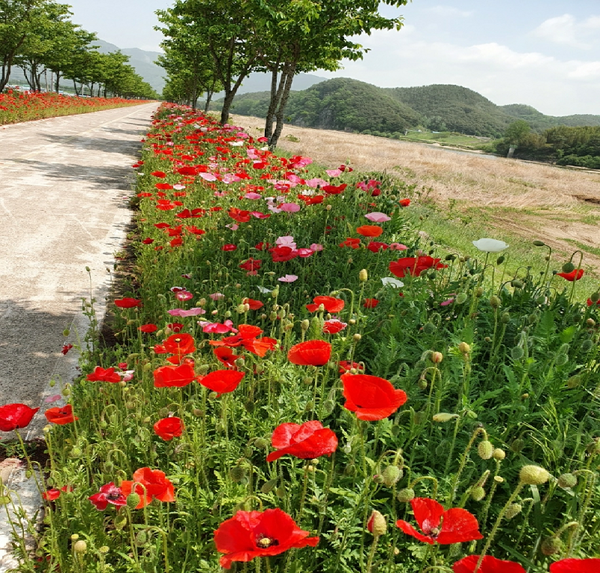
{"x":160,"y":174}
{"x":239,"y":215}
{"x":180,"y":344}
{"x":108,"y":493}
{"x":13,"y":416}
{"x":177,"y":242}
{"x":305,"y":441}
{"x":169,"y":428}
{"x":369,"y":230}
{"x":178,"y":376}
{"x":250,"y":534}
{"x":331,"y":304}
{"x":439,"y":526}
{"x":375,"y":246}
{"x":574,"y":275}
{"x":310,"y":353}
{"x":226,"y":356}
{"x":229,"y":247}
{"x":253,"y":304}
{"x":346,"y":365}
{"x":194,"y":230}
{"x":66,"y":348}
{"x":370,"y":303}
{"x":404,"y":202}
{"x":148,"y":328}
{"x":149,"y":485}
{"x":251,"y":265}
{"x":54,"y":493}
{"x":590,"y":302}
{"x":175,"y":327}
{"x":283,"y":253}
{"x":333,"y":326}
{"x":352,"y":243}
{"x":371,"y":397}
{"x":334,"y":189}
{"x":127,"y":302}
{"x":103,"y":375}
{"x":489,"y":564}
{"x":61,"y":415}
{"x":576,"y":566}
{"x":247,"y":337}
{"x":222,"y":381}
{"x":414,"y":266}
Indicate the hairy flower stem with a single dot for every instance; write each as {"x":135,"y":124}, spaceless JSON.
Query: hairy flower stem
{"x":304,"y":490}
{"x":499,"y":519}
{"x":434,"y":489}
{"x":372,"y":554}
{"x":29,"y":462}
{"x":463,"y":462}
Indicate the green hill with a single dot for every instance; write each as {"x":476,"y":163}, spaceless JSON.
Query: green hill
{"x":341,"y":104}
{"x":351,"y":105}
{"x":454,"y":108}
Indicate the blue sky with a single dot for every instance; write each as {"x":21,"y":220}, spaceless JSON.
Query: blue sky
{"x":545,"y":53}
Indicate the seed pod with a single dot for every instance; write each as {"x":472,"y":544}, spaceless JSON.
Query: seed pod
{"x":405,"y":495}
{"x":533,"y":475}
{"x":513,"y":510}
{"x":477,"y":493}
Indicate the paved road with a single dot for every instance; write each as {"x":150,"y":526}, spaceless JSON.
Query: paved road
{"x":64,"y":188}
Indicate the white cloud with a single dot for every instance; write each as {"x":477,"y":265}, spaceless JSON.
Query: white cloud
{"x":567,"y":30}
{"x":554,"y":86}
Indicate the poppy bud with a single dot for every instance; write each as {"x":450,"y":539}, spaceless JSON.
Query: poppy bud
{"x":269,"y":486}
{"x":595,"y":296}
{"x":533,"y":475}
{"x":377,"y":524}
{"x":391,"y":475}
{"x":517,"y":353}
{"x":422,"y":384}
{"x":505,"y":318}
{"x":436,"y":357}
{"x":133,"y":499}
{"x":461,"y":298}
{"x":500,"y":260}
{"x":443,"y":417}
{"x":357,"y":337}
{"x":429,"y":328}
{"x":464,"y":348}
{"x":405,"y":495}
{"x":261,"y":443}
{"x":363,"y":275}
{"x":551,"y":546}
{"x":485,"y":449}
{"x":498,"y":454}
{"x":4,"y":500}
{"x":574,"y":381}
{"x":594,"y":448}
{"x":141,"y":538}
{"x":494,"y":301}
{"x":567,"y":481}
{"x":75,"y":452}
{"x":237,"y":474}
{"x":590,"y":322}
{"x":517,"y":445}
{"x":539,"y":243}
{"x":80,"y":546}
{"x":587,"y":345}
{"x":513,"y":510}
{"x":477,"y":493}
{"x":568,"y":267}
{"x":561,"y":359}
{"x":479,"y":292}
{"x":305,"y":325}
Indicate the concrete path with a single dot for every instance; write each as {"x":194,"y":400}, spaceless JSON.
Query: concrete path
{"x":65,"y":185}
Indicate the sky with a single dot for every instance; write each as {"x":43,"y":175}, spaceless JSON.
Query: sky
{"x":543,"y":53}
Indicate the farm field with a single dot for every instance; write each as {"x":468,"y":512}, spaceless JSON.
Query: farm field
{"x":309,"y":366}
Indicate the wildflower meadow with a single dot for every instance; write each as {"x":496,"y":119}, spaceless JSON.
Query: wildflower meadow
{"x":297,"y":380}
{"x":17,"y":106}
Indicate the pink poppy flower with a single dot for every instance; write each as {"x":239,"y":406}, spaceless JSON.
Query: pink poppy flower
{"x":288,"y":279}
{"x":183,"y":313}
{"x":290,"y":207}
{"x":217,"y":295}
{"x":378,"y":217}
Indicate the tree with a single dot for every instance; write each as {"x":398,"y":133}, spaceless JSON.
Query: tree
{"x":15,"y":27}
{"x":516,"y":132}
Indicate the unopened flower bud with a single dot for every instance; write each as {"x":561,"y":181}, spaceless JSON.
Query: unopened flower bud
{"x":568,"y":267}
{"x":485,"y":449}
{"x":237,"y":473}
{"x":461,"y":298}
{"x":80,"y":546}
{"x":443,"y":417}
{"x":377,"y":524}
{"x":498,"y":454}
{"x":567,"y":481}
{"x":533,"y":475}
{"x":513,"y":510}
{"x":133,"y":499}
{"x":363,"y":275}
{"x":477,"y":493}
{"x":436,"y":357}
{"x":464,"y":348}
{"x":357,"y":337}
{"x":405,"y":495}
{"x":551,"y":546}
{"x":391,"y":475}
{"x":261,"y":443}
{"x":494,"y":301}
{"x":269,"y":486}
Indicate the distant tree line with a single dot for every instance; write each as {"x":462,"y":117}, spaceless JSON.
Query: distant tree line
{"x":39,"y":37}
{"x":213,"y":45}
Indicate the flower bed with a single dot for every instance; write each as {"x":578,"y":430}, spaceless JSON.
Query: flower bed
{"x":301,"y":383}
{"x":18,"y":106}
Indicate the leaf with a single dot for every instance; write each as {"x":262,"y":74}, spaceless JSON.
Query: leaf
{"x":567,"y":334}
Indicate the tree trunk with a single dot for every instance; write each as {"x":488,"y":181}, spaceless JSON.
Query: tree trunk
{"x":57,"y":82}
{"x":75,"y":88}
{"x":276,"y":88}
{"x":209,"y":94}
{"x":287,"y":80}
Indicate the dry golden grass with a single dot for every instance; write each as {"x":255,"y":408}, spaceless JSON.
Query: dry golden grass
{"x":460,"y":176}
{"x":543,"y":201}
